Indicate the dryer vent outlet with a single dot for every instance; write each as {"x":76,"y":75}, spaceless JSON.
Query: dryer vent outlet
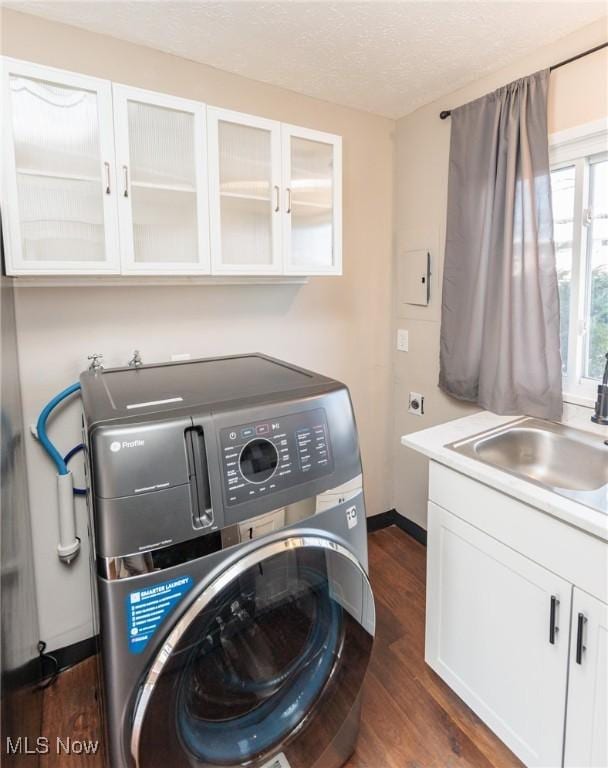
{"x":416,"y":405}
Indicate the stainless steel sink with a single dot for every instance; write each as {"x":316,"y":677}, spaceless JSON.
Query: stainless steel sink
{"x":567,"y":461}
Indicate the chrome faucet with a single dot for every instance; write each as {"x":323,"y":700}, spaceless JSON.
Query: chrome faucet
{"x":601,"y":404}
{"x":95,"y":365}
{"x":136,"y":361}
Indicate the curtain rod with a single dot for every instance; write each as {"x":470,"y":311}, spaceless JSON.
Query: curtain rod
{"x":447,"y":112}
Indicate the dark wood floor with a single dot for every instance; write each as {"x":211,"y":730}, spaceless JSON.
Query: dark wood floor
{"x":411,"y":719}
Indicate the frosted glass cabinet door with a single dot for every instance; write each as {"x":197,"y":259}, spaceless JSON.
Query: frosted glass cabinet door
{"x":161,"y":162}
{"x":59,"y":191}
{"x":245,"y":196}
{"x":312,"y":182}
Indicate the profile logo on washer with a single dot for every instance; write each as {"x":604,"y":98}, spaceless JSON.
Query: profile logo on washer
{"x":116,"y":445}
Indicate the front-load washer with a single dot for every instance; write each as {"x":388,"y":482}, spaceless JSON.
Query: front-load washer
{"x":235,"y":616}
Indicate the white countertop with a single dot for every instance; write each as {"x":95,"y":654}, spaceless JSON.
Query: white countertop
{"x":431,"y":442}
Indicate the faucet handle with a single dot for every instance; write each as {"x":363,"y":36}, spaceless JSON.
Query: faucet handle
{"x":136,"y":361}
{"x":600,"y":415}
{"x":96,"y":364}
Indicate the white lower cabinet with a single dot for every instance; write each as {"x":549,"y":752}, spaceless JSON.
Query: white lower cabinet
{"x":517,"y":620}
{"x":497,"y":633}
{"x":587,"y":716}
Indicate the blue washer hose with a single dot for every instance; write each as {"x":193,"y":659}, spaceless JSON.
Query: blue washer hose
{"x":69,"y":543}
{"x":62,"y":467}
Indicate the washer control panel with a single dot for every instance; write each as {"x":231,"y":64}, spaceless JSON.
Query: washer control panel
{"x":267,"y":456}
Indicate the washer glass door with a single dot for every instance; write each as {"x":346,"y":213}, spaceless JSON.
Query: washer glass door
{"x":268,"y":659}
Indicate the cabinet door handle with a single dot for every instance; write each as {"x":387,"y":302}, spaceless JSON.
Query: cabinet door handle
{"x":553,"y":628}
{"x":582,"y":620}
{"x":125,"y":171}
{"x":277,"y":199}
{"x":288,"y":190}
{"x":107,"y":168}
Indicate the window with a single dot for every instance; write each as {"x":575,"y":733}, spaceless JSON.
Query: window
{"x":579,"y":183}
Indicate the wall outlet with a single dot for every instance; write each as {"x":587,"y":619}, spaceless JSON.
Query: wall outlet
{"x":402,"y":340}
{"x":416,"y":405}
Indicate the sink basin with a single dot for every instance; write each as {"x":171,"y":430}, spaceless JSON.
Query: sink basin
{"x":568,"y":461}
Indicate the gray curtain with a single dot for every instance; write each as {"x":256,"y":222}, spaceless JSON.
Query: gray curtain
{"x":500,"y":342}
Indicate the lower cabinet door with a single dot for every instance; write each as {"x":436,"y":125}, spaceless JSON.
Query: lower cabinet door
{"x":587,"y":713}
{"x":497,"y":627}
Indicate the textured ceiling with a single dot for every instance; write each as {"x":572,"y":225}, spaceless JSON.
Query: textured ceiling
{"x":383,"y":57}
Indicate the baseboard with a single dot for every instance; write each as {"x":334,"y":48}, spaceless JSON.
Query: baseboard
{"x":48,"y":664}
{"x":74,"y":653}
{"x":378,"y":522}
{"x":392,"y":517}
{"x":409,"y":526}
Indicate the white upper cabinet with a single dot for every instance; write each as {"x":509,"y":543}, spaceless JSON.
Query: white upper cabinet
{"x":58,"y":191}
{"x":245,"y":194}
{"x":312,"y":181}
{"x":275,"y":193}
{"x":162,"y":200}
{"x":109,"y":179}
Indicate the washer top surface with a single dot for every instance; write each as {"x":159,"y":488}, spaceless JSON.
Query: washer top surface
{"x":132,"y":392}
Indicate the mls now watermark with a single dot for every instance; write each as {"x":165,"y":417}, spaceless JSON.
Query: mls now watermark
{"x":61,"y":745}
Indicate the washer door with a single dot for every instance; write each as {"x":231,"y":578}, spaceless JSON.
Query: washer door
{"x":268,"y":661}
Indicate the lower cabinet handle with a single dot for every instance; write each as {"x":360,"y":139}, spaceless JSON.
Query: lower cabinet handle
{"x":277,"y":199}
{"x":553,"y":628}
{"x":126,"y":173}
{"x":107,"y":167}
{"x":582,"y":620}
{"x":288,"y":190}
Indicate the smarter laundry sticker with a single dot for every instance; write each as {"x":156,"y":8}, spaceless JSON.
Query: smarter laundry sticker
{"x":147,"y":608}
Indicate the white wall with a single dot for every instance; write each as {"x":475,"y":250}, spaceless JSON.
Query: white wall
{"x":578,"y":94}
{"x":338,"y":326}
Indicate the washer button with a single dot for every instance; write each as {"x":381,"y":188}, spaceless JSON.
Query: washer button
{"x":262,"y":429}
{"x":247,"y":432}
